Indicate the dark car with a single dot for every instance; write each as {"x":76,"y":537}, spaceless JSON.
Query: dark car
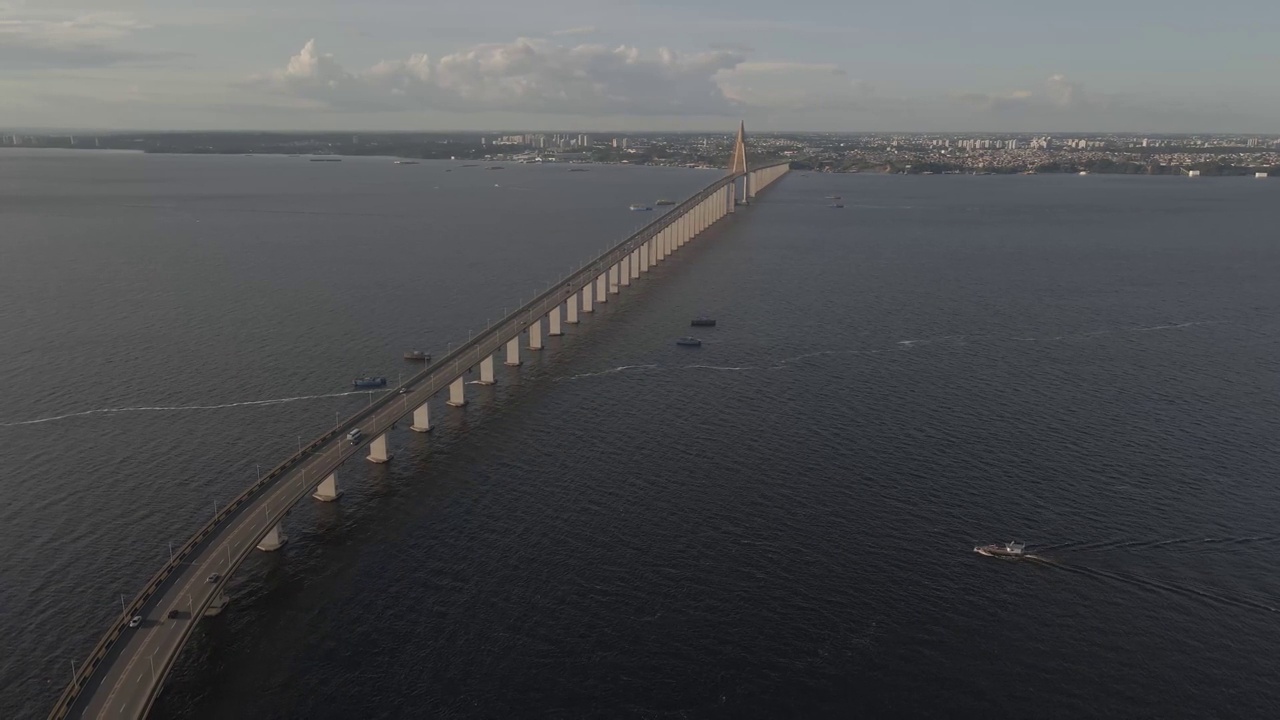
{"x":214,"y":578}
{"x":175,"y":614}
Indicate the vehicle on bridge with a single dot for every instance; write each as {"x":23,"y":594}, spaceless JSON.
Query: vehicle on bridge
{"x":369,"y":382}
{"x":353,"y":437}
{"x":135,"y":621}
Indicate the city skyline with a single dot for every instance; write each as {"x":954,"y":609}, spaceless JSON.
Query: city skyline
{"x":494,"y":65}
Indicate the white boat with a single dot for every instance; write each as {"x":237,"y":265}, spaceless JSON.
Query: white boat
{"x":1002,"y":550}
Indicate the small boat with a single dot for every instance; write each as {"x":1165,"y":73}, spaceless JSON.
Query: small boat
{"x":325,"y":159}
{"x":641,"y":207}
{"x":665,"y":202}
{"x":1002,"y":550}
{"x":496,"y":167}
{"x":703,"y":322}
{"x":406,"y":162}
{"x":417,"y":355}
{"x":689,"y":342}
{"x":369,"y":382}
{"x":834,"y":197}
{"x":836,"y":205}
{"x":577,"y":169}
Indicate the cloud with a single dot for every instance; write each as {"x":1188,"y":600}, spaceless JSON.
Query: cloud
{"x":527,"y":75}
{"x":50,"y":41}
{"x":585,"y":30}
{"x":1057,"y":92}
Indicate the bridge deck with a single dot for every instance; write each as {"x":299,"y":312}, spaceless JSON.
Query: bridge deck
{"x":126,"y":669}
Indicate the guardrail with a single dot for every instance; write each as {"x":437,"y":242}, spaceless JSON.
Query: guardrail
{"x":439,"y":374}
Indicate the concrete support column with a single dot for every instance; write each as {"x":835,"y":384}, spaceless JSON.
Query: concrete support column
{"x":378,"y":450}
{"x":457,"y":393}
{"x":535,"y":334}
{"x":646,"y":256}
{"x":513,"y":352}
{"x":614,"y":275}
{"x":660,"y":245}
{"x":328,"y":490}
{"x":587,"y":292}
{"x":602,"y":294}
{"x":635,"y":264}
{"x":733,"y":195}
{"x":553,"y":321}
{"x":571,"y":310}
{"x":625,"y":266}
{"x":421,"y":419}
{"x":274,"y":540}
{"x":486,"y":371}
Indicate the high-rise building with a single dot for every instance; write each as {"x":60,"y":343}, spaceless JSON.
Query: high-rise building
{"x":584,"y":140}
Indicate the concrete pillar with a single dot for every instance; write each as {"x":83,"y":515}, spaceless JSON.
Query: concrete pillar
{"x":274,"y":540}
{"x":733,"y":194}
{"x":660,"y":245}
{"x":421,"y":419}
{"x":602,"y":294}
{"x":571,"y":310}
{"x":646,"y":253}
{"x":553,"y":320}
{"x":457,"y":393}
{"x":513,"y":352}
{"x":486,"y":371}
{"x":625,"y":269}
{"x":587,"y":292}
{"x":535,"y":334}
{"x":328,"y":490}
{"x":378,"y":450}
{"x":614,"y":274}
{"x":635,"y":264}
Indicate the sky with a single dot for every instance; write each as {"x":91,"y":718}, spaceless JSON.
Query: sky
{"x":1146,"y":66}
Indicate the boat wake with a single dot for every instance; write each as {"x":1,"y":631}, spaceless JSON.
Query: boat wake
{"x":1135,"y":580}
{"x":1107,"y":545}
{"x":179,"y":408}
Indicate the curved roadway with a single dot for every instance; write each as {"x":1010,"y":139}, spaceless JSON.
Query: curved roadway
{"x":127,"y":668}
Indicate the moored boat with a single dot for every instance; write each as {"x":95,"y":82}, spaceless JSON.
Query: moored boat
{"x":689,"y":342}
{"x":703,"y":322}
{"x":369,"y":382}
{"x":417,"y":355}
{"x":641,"y":207}
{"x":665,"y":202}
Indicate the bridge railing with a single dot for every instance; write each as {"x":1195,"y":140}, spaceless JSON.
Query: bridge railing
{"x":440,"y":374}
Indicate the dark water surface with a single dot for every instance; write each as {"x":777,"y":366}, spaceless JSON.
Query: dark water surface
{"x":779,"y":524}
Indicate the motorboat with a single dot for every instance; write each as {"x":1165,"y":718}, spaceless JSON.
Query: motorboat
{"x":703,"y":322}
{"x":641,"y":208}
{"x":1010,"y":549}
{"x":369,"y":382}
{"x":837,"y":205}
{"x":689,"y":342}
{"x":665,"y":202}
{"x":417,"y":355}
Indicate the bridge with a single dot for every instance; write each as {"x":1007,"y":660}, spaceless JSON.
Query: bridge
{"x":126,"y":670}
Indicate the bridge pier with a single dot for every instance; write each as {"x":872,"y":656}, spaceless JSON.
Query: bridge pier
{"x":513,"y":353}
{"x":587,"y":293}
{"x":646,"y":251}
{"x":624,"y":278}
{"x":457,"y":392}
{"x":615,"y":273}
{"x":635,"y":264}
{"x":327,"y":490}
{"x":602,"y":290}
{"x":553,"y":322}
{"x":274,"y":539}
{"x":535,"y":334}
{"x":378,"y":450}
{"x":486,"y":371}
{"x":421,"y":419}
{"x":571,"y":310}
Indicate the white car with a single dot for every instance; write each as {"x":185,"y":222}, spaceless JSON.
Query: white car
{"x":135,"y":621}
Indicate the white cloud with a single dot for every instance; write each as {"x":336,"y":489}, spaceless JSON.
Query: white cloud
{"x":527,"y":75}
{"x":61,"y":41}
